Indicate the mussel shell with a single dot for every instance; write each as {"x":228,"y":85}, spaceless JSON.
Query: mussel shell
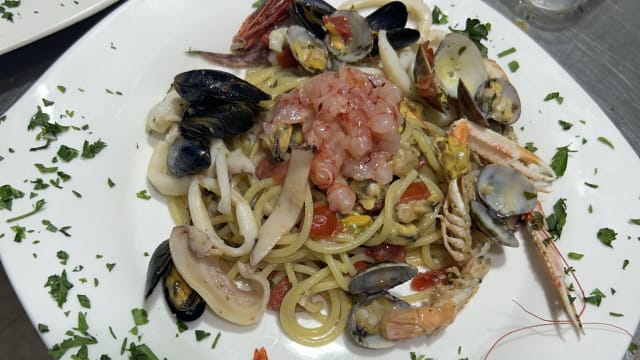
{"x":188,"y":156}
{"x":183,"y":301}
{"x":218,"y":122}
{"x":506,"y":191}
{"x":356,"y":47}
{"x":398,"y":39}
{"x":380,"y":277}
{"x":308,"y":50}
{"x":507,"y":111}
{"x":309,"y":13}
{"x":496,"y":229}
{"x":158,"y":264}
{"x":392,"y":15}
{"x":365,"y":316}
{"x":207,"y":85}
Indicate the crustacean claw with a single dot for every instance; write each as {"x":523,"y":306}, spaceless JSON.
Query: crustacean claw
{"x":499,"y":149}
{"x":455,"y":223}
{"x":553,"y":262}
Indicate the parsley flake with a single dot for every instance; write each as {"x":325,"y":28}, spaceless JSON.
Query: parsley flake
{"x":509,"y":51}
{"x":557,"y":219}
{"x":59,"y":287}
{"x":632,"y":221}
{"x":439,"y":18}
{"x":560,"y":159}
{"x":554,"y":96}
{"x":607,"y":236}
{"x":201,"y":335}
{"x":66,"y":153}
{"x":36,"y":207}
{"x":565,"y":125}
{"x":90,"y":150}
{"x":7,"y":195}
{"x":595,"y":298}
{"x":575,"y":256}
{"x":84,"y":301}
{"x":625,"y":263}
{"x":476,"y":31}
{"x":606,"y":141}
{"x":513,"y":66}
{"x":142,"y":194}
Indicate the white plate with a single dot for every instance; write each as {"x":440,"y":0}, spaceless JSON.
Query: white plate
{"x":33,"y":20}
{"x":115,"y":224}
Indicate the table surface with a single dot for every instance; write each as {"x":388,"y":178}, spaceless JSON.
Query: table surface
{"x":598,"y":46}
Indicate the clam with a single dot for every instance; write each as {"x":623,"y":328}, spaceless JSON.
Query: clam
{"x":496,"y":229}
{"x":496,"y":100}
{"x":457,"y":60}
{"x":365,"y":318}
{"x":349,"y":37}
{"x":505,"y":191}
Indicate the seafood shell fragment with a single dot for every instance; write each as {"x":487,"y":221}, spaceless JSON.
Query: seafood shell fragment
{"x":506,"y":191}
{"x":381,"y":276}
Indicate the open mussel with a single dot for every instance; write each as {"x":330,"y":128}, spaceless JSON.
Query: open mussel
{"x":309,"y":13}
{"x":183,"y":301}
{"x":308,"y":50}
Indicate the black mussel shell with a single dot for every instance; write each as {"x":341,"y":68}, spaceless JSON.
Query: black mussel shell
{"x":218,"y":122}
{"x":392,"y":15}
{"x":184,"y":302}
{"x":398,"y":39}
{"x":309,"y":13}
{"x":208,"y":85}
{"x":158,"y":264}
{"x":380,"y":277}
{"x":188,"y":156}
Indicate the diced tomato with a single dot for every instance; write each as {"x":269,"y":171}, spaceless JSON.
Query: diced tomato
{"x":361,"y":265}
{"x":279,"y":290}
{"x":325,"y":222}
{"x":338,"y":25}
{"x":386,"y":252}
{"x":416,"y":191}
{"x":285,"y":59}
{"x":260,"y":354}
{"x":267,"y":167}
{"x":424,"y":280}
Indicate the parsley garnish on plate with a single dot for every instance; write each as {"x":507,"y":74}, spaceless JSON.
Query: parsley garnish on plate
{"x":476,"y":31}
{"x":513,"y":66}
{"x":59,"y":287}
{"x":439,"y":18}
{"x":90,"y":150}
{"x":554,"y":96}
{"x":565,"y":125}
{"x":606,"y":141}
{"x":7,"y":194}
{"x":575,"y":256}
{"x":607,"y":236}
{"x":595,"y":297}
{"x":509,"y":51}
{"x":36,"y":208}
{"x":560,"y":159}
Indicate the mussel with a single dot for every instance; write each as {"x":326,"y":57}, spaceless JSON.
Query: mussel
{"x":392,"y":15}
{"x":308,"y":50}
{"x":372,"y":301}
{"x":183,"y":301}
{"x":221,"y":105}
{"x":206,"y":86}
{"x":309,"y":13}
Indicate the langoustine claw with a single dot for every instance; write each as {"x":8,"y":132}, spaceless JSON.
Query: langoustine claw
{"x":553,"y":262}
{"x":498,"y":149}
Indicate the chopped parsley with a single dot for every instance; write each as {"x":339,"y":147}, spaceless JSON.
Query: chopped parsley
{"x":141,"y":352}
{"x":201,"y":335}
{"x":48,"y":130}
{"x":57,"y":351}
{"x":560,"y":159}
{"x":7,"y":195}
{"x":530,"y":146}
{"x":507,"y":52}
{"x":140,"y":316}
{"x":142,"y":194}
{"x":257,"y":4}
{"x":42,"y":328}
{"x":45,"y":170}
{"x":215,"y":341}
{"x":110,"y":183}
{"x":625,"y":263}
{"x":554,"y":96}
{"x":63,"y":256}
{"x":61,"y":88}
{"x":557,"y":219}
{"x":182,"y":327}
{"x":593,"y":186}
{"x":607,"y":236}
{"x":615,"y":314}
{"x":47,"y":102}
{"x":575,"y":256}
{"x":59,"y":287}
{"x":66,"y":153}
{"x":90,"y":150}
{"x":606,"y":141}
{"x":415,"y":356}
{"x":84,"y":301}
{"x":595,"y":297}
{"x":632,"y":221}
{"x":110,"y":266}
{"x":36,"y":207}
{"x":513,"y":66}
{"x":476,"y":31}
{"x":21,"y":233}
{"x":439,"y":18}
{"x":565,"y":125}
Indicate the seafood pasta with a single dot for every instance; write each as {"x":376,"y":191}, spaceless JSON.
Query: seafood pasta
{"x":337,"y":170}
